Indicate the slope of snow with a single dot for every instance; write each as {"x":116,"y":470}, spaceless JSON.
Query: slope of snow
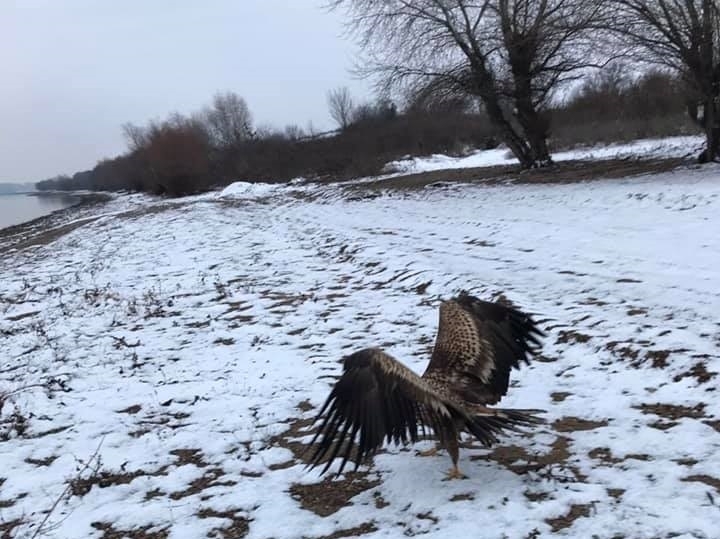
{"x":666,"y":147}
{"x":158,"y":362}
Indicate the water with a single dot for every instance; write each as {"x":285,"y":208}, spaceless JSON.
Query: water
{"x":16,"y":209}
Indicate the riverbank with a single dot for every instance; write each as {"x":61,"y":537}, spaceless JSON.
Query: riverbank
{"x":164,"y":360}
{"x":40,"y":230}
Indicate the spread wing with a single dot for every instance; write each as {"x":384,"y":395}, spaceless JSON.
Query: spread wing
{"x":477,"y":344}
{"x":377,"y":399}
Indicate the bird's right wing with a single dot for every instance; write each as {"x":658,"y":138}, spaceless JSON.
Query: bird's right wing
{"x":376,"y":399}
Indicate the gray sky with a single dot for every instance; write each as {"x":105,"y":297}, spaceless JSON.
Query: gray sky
{"x":73,"y":71}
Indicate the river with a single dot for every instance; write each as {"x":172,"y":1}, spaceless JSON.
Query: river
{"x":19,"y":208}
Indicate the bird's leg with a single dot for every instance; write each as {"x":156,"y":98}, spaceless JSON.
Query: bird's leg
{"x":454,"y":450}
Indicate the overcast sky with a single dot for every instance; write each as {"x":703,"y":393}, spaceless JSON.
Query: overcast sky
{"x":73,"y":71}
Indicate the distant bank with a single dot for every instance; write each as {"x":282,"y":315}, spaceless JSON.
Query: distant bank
{"x":19,"y":208}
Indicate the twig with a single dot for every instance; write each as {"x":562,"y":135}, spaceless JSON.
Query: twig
{"x":94,"y":457}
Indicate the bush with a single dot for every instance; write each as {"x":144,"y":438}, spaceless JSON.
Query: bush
{"x":612,"y":107}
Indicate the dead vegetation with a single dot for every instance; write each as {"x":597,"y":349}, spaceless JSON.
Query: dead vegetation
{"x":572,"y":424}
{"x":673,"y":412}
{"x":565,"y":521}
{"x":562,"y":172}
{"x":329,"y":496}
{"x":237,"y":528}
{"x":145,"y":532}
{"x":553,"y":465}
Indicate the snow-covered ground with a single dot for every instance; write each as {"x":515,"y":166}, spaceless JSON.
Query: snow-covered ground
{"x":160,"y":362}
{"x":679,"y":146}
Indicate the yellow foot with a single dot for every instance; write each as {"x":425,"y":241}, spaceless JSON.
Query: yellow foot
{"x":455,"y":473}
{"x":428,"y":453}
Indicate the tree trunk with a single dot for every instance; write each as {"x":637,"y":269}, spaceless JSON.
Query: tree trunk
{"x":536,"y":128}
{"x":711,"y":131}
{"x":518,"y":145}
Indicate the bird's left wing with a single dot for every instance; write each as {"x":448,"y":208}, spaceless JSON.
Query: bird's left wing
{"x":477,"y":345}
{"x":376,"y":399}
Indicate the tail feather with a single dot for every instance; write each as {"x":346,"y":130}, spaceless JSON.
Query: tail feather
{"x":486,"y":426}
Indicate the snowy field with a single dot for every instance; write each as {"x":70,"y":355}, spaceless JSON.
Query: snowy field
{"x":161,"y":363}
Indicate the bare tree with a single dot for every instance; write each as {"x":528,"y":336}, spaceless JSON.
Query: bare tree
{"x":135,"y":136}
{"x":294,"y":132}
{"x":228,"y":120}
{"x":511,"y":54}
{"x":683,"y":36}
{"x":340,"y":103}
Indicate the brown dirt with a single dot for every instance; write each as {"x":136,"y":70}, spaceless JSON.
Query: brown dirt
{"x":47,"y":461}
{"x":673,"y":412}
{"x":357,"y":531}
{"x":328,"y":496}
{"x":80,"y":486}
{"x":573,"y":424}
{"x":237,"y":528}
{"x":571,"y":336}
{"x":566,"y":520}
{"x":7,"y":528}
{"x":562,"y":172}
{"x":706,"y":479}
{"x":605,"y":455}
{"x":211,"y":478}
{"x":518,"y":460}
{"x":110,"y":532}
{"x":699,"y":372}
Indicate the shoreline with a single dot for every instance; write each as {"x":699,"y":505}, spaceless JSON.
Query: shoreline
{"x":30,"y":232}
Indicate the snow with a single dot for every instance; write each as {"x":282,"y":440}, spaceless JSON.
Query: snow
{"x":666,"y":147}
{"x":169,"y":344}
{"x":245,"y":189}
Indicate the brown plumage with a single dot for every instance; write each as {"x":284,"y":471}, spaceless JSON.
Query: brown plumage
{"x":378,"y":399}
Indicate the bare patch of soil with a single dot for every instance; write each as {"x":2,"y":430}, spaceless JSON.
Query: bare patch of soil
{"x":238,"y":526}
{"x":47,"y":461}
{"x":604,"y":454}
{"x":706,"y":479}
{"x":7,"y":528}
{"x":357,"y":531}
{"x":110,"y":532}
{"x":208,"y":480}
{"x":565,"y":521}
{"x":673,"y":412}
{"x":518,"y":460}
{"x":573,"y":424}
{"x":571,"y":336}
{"x":561,"y":172}
{"x":79,"y":486}
{"x":328,"y":496}
{"x":699,"y":372}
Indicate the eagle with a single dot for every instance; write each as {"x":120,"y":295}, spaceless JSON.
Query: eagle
{"x":378,"y":399}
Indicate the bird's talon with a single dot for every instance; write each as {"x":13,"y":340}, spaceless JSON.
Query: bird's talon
{"x":455,"y":473}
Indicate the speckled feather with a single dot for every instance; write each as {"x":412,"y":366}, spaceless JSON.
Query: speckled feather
{"x":477,"y":345}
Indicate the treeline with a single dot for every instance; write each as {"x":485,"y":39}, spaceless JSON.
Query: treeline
{"x":182,"y":154}
{"x":612,"y":106}
{"x":188,"y":154}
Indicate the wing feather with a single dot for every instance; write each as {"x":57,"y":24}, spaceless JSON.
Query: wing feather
{"x":478,"y":344}
{"x":377,"y":399}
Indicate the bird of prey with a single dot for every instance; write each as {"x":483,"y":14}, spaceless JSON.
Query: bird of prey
{"x":378,"y":399}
